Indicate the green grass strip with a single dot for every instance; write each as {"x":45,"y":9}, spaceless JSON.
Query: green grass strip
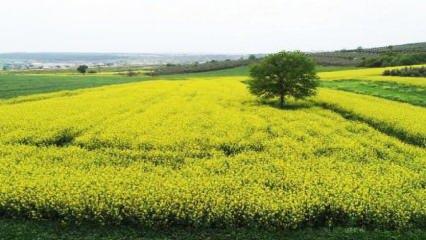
{"x":414,"y":95}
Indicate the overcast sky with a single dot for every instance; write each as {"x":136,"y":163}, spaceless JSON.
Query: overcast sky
{"x":207,"y":26}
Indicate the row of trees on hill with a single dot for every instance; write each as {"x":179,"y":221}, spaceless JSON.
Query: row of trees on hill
{"x":201,"y":67}
{"x":386,"y":60}
{"x":407,"y":54}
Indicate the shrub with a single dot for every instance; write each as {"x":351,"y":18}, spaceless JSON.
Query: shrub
{"x":132,"y":73}
{"x":406,"y":72}
{"x":82,"y":69}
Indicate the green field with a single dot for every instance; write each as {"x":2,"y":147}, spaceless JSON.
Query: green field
{"x":13,"y":85}
{"x":405,"y":93}
{"x":195,"y":155}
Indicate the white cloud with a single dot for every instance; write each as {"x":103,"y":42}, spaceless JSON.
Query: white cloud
{"x":207,"y":26}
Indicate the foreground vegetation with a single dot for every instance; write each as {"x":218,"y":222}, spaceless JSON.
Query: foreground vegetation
{"x":29,"y":230}
{"x":196,"y":154}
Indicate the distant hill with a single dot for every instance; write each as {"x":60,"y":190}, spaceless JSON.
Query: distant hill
{"x":409,"y":47}
{"x":34,"y":60}
{"x":353,"y":57}
{"x":344,"y":57}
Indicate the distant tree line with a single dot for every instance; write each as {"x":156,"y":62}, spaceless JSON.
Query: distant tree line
{"x":333,"y":59}
{"x":404,"y":48}
{"x":130,"y":73}
{"x":394,"y":59}
{"x":407,"y":54}
{"x":201,"y":67}
{"x":406,"y":72}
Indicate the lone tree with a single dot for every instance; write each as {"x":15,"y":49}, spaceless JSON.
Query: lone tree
{"x":252,"y":57}
{"x":284,"y":74}
{"x":82,"y":69}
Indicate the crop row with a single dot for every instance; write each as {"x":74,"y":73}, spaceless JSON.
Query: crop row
{"x":398,"y":119}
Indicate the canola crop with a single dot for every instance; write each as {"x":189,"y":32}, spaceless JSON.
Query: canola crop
{"x":203,"y":153}
{"x":400,"y":119}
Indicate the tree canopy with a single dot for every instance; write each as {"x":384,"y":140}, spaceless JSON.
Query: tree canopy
{"x":284,"y":74}
{"x":82,"y":69}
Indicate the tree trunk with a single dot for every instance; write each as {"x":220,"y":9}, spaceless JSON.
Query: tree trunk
{"x":282,"y":100}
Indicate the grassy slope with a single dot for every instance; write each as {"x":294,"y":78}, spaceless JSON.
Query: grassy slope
{"x":13,"y":85}
{"x":398,"y":92}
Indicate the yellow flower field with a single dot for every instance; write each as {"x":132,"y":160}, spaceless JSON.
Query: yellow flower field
{"x":204,"y":152}
{"x":401,"y":119}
